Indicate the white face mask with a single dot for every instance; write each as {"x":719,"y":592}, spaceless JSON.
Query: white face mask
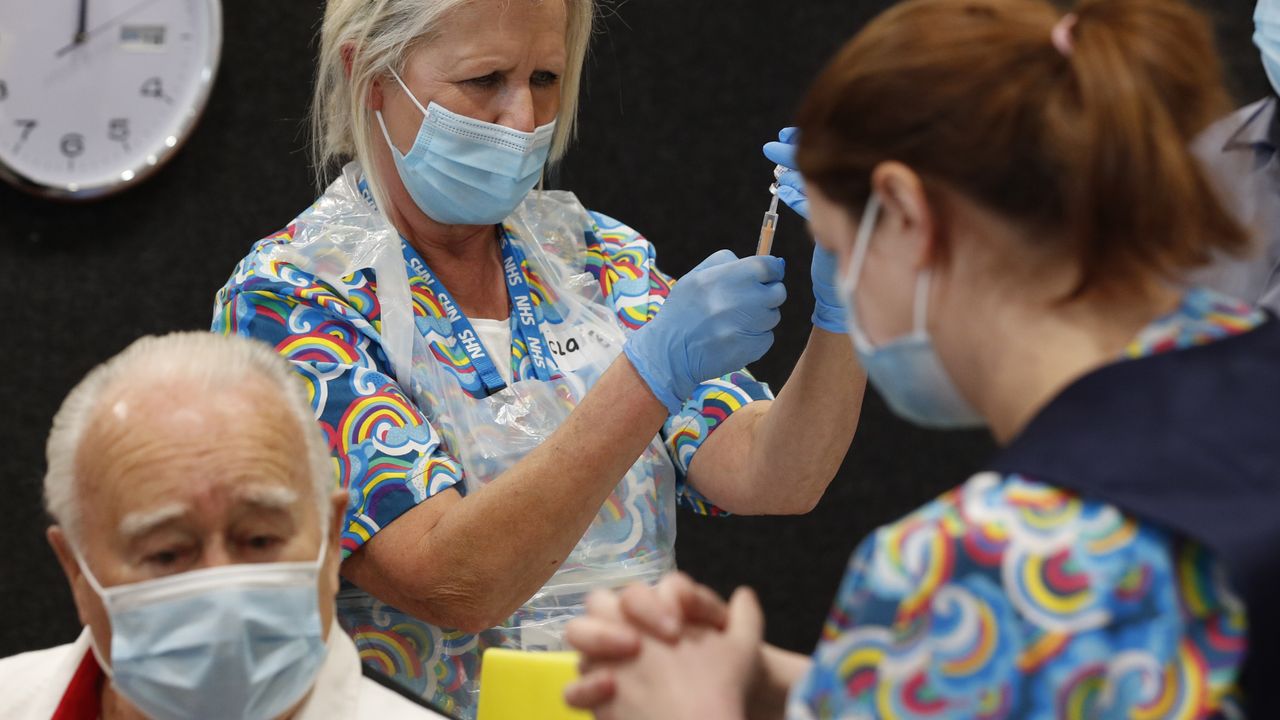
{"x":242,"y":641}
{"x":906,"y":371}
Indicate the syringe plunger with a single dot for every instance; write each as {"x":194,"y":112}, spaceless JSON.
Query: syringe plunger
{"x":770,"y":224}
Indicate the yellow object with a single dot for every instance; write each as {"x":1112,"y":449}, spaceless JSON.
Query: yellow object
{"x":517,"y":685}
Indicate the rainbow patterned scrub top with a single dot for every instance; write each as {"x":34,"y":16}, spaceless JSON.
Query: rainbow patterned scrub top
{"x":1010,"y":598}
{"x":388,"y":456}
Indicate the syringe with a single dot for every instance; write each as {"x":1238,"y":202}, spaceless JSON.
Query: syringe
{"x":770,"y":224}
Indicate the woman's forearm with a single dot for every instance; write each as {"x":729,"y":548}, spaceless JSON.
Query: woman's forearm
{"x":806,"y":433}
{"x":778,"y":457}
{"x":470,"y":562}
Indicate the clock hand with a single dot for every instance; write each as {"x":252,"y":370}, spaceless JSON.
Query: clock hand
{"x":104,"y":26}
{"x":80,"y":28}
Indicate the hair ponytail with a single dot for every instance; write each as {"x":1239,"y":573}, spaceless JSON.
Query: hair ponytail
{"x":1147,"y":82}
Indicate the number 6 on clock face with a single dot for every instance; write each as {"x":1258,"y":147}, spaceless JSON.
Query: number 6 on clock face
{"x":96,"y":95}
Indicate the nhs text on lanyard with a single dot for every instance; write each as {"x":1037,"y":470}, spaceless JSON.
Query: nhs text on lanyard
{"x":544,"y":367}
{"x":521,"y":303}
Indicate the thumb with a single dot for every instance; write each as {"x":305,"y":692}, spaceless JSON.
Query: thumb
{"x":746,"y":618}
{"x":790,"y":195}
{"x":720,"y":257}
{"x":781,"y":154}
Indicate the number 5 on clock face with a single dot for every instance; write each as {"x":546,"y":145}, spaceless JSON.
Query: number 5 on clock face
{"x":96,"y":95}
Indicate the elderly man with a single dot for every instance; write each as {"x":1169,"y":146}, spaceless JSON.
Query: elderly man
{"x":198,"y":525}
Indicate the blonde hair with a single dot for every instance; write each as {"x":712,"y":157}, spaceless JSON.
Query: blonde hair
{"x":199,"y":360}
{"x":381,"y":32}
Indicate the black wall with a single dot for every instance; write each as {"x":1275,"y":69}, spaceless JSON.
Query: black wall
{"x":678,"y":99}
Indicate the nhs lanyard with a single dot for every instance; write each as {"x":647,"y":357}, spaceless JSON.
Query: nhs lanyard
{"x":521,"y":304}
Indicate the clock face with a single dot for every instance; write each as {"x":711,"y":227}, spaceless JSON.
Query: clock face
{"x":97,"y":94}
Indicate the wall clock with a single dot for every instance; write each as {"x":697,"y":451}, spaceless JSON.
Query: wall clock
{"x":96,"y":95}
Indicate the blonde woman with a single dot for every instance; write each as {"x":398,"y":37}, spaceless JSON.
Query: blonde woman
{"x":516,"y":397}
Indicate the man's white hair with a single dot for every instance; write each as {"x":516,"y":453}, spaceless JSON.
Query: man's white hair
{"x":201,"y":361}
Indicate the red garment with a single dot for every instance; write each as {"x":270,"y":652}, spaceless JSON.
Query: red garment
{"x":83,"y":698}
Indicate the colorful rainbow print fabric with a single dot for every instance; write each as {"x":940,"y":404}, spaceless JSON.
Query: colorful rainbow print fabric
{"x":1009,"y":598}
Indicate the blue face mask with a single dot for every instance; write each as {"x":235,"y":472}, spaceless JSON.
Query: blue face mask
{"x":906,"y":371}
{"x":1266,"y":21}
{"x":238,"y":641}
{"x":463,"y":171}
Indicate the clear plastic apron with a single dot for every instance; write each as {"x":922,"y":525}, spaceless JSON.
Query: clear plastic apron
{"x":632,"y":537}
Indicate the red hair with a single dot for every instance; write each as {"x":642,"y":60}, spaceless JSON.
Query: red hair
{"x":1089,"y":144}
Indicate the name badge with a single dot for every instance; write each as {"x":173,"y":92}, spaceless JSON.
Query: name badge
{"x":575,"y":347}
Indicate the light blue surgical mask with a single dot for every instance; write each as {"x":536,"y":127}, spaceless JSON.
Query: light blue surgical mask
{"x":906,"y":371}
{"x":463,"y":171}
{"x":236,"y":641}
{"x":1266,"y":21}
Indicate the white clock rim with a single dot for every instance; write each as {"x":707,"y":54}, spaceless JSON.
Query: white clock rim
{"x":75,"y":192}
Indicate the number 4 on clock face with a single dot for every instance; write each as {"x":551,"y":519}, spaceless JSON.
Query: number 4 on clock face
{"x":154,"y":88}
{"x":105,"y":91}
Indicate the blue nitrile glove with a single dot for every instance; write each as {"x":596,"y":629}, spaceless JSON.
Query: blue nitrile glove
{"x":717,"y":319}
{"x":828,"y":308}
{"x":790,"y":185}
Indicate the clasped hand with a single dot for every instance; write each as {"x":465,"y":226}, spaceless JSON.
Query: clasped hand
{"x":670,"y":651}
